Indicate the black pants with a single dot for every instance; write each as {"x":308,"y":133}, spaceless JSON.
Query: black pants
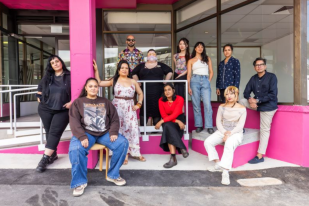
{"x":55,"y":122}
{"x":155,"y":120}
{"x":222,"y":97}
{"x":180,"y":87}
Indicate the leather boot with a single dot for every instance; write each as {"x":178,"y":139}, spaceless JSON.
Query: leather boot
{"x":171,"y":163}
{"x":43,"y":163}
{"x":184,"y":153}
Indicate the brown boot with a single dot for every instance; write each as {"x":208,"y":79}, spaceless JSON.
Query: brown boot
{"x":171,"y":163}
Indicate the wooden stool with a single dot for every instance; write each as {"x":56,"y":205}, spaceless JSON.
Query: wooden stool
{"x":101,"y":147}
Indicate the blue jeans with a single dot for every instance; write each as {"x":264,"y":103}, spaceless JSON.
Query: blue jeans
{"x":200,"y":87}
{"x":78,"y":156}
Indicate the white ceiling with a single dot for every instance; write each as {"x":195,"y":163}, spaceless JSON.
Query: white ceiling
{"x":251,"y":25}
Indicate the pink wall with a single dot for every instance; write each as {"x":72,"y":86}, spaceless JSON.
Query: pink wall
{"x":6,"y":109}
{"x":82,"y":42}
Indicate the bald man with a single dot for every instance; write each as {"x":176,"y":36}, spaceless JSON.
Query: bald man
{"x":133,"y":56}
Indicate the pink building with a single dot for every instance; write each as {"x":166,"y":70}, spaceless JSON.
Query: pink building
{"x":82,"y":30}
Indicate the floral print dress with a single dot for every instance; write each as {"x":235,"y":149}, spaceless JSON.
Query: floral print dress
{"x":127,"y":117}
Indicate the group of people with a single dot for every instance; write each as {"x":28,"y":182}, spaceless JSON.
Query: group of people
{"x":95,"y":119}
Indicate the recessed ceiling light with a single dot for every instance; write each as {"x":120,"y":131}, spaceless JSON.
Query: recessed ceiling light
{"x":206,"y":32}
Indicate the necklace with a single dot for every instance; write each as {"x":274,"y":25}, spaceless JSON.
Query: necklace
{"x":59,"y":74}
{"x":170,"y":103}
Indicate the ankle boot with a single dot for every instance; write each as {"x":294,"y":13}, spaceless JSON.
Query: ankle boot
{"x":184,"y":153}
{"x":171,"y":163}
{"x":43,"y":163}
{"x":53,"y":157}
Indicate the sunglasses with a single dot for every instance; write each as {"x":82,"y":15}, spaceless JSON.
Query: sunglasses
{"x":132,"y":40}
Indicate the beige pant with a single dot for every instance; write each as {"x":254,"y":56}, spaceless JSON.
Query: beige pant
{"x":265,"y":124}
{"x":229,"y":147}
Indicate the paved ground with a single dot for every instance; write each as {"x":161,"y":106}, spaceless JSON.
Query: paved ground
{"x":149,"y":187}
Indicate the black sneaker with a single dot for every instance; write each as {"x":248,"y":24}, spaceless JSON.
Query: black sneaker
{"x":210,"y":130}
{"x":184,"y":153}
{"x":53,"y":157}
{"x":199,"y":129}
{"x":43,"y":163}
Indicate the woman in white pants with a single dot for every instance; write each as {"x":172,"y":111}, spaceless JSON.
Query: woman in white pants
{"x":230,"y":122}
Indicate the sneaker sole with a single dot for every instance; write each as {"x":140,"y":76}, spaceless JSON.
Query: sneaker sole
{"x":53,"y":160}
{"x":111,"y":180}
{"x":228,"y":183}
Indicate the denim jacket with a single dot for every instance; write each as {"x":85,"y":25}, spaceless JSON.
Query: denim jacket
{"x":228,"y":74}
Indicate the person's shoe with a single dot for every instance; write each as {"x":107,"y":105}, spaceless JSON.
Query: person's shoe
{"x":119,"y":181}
{"x":43,"y":163}
{"x":225,"y":178}
{"x":171,"y":163}
{"x":184,"y":153}
{"x":53,"y":157}
{"x":199,"y":129}
{"x":78,"y":191}
{"x":210,"y":130}
{"x":256,"y":160}
{"x":215,"y":168}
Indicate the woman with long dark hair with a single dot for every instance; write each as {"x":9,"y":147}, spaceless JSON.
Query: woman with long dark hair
{"x":228,"y":72}
{"x":173,"y":124}
{"x":54,"y":97}
{"x":94,"y":119}
{"x":124,"y":89}
{"x":180,"y":60}
{"x":199,"y":86}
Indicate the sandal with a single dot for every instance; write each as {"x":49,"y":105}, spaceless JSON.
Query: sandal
{"x":140,"y":158}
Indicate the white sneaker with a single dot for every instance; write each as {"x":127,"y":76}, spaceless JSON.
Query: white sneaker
{"x":78,"y":191}
{"x":215,"y":168}
{"x":119,"y":181}
{"x":225,"y":178}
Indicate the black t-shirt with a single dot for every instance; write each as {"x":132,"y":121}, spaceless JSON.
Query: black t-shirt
{"x":57,"y":95}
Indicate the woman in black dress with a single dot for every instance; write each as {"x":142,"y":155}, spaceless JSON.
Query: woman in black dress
{"x":173,"y":124}
{"x":152,"y":70}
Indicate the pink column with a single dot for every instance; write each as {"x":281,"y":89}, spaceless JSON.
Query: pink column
{"x":82,"y":50}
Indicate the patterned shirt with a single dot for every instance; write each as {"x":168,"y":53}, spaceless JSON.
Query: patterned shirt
{"x":228,"y":74}
{"x":181,"y":65}
{"x":134,"y":58}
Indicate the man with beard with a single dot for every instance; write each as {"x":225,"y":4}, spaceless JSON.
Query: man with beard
{"x":132,"y":55}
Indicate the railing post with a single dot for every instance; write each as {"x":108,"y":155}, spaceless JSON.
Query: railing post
{"x":145,"y":137}
{"x":41,"y":145}
{"x":10,"y":102}
{"x":1,"y":103}
{"x":186,"y":136}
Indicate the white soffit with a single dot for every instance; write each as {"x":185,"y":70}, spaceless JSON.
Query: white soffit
{"x":138,"y":17}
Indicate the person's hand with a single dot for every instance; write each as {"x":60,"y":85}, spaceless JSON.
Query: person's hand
{"x":190,"y":91}
{"x":253,"y":105}
{"x":252,"y":100}
{"x":225,"y":138}
{"x":68,"y":105}
{"x":85,"y":143}
{"x":218,"y":92}
{"x":181,"y":125}
{"x":95,"y":66}
{"x":158,"y":125}
{"x":135,"y":107}
{"x":227,"y":133}
{"x":113,"y":138}
{"x":39,"y":100}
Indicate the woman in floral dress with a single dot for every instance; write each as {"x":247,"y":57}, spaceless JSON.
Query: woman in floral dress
{"x":124,"y":89}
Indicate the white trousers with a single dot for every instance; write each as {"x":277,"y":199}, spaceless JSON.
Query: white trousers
{"x":266,"y":119}
{"x":229,"y":147}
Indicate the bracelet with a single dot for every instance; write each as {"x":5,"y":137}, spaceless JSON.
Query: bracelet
{"x":138,"y":105}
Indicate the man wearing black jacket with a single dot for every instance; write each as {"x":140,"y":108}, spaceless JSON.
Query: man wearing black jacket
{"x":264,"y":87}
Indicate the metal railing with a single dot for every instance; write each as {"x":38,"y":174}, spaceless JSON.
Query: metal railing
{"x":10,"y":91}
{"x":145,"y":128}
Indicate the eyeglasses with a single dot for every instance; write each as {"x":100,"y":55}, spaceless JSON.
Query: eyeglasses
{"x":259,"y":65}
{"x":132,"y":40}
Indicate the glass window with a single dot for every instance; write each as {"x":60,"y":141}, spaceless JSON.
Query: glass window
{"x":64,"y":51}
{"x":4,"y":21}
{"x":137,"y":21}
{"x":207,"y":33}
{"x":229,"y":3}
{"x":115,"y":43}
{"x":263,"y":29}
{"x":195,"y":11}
